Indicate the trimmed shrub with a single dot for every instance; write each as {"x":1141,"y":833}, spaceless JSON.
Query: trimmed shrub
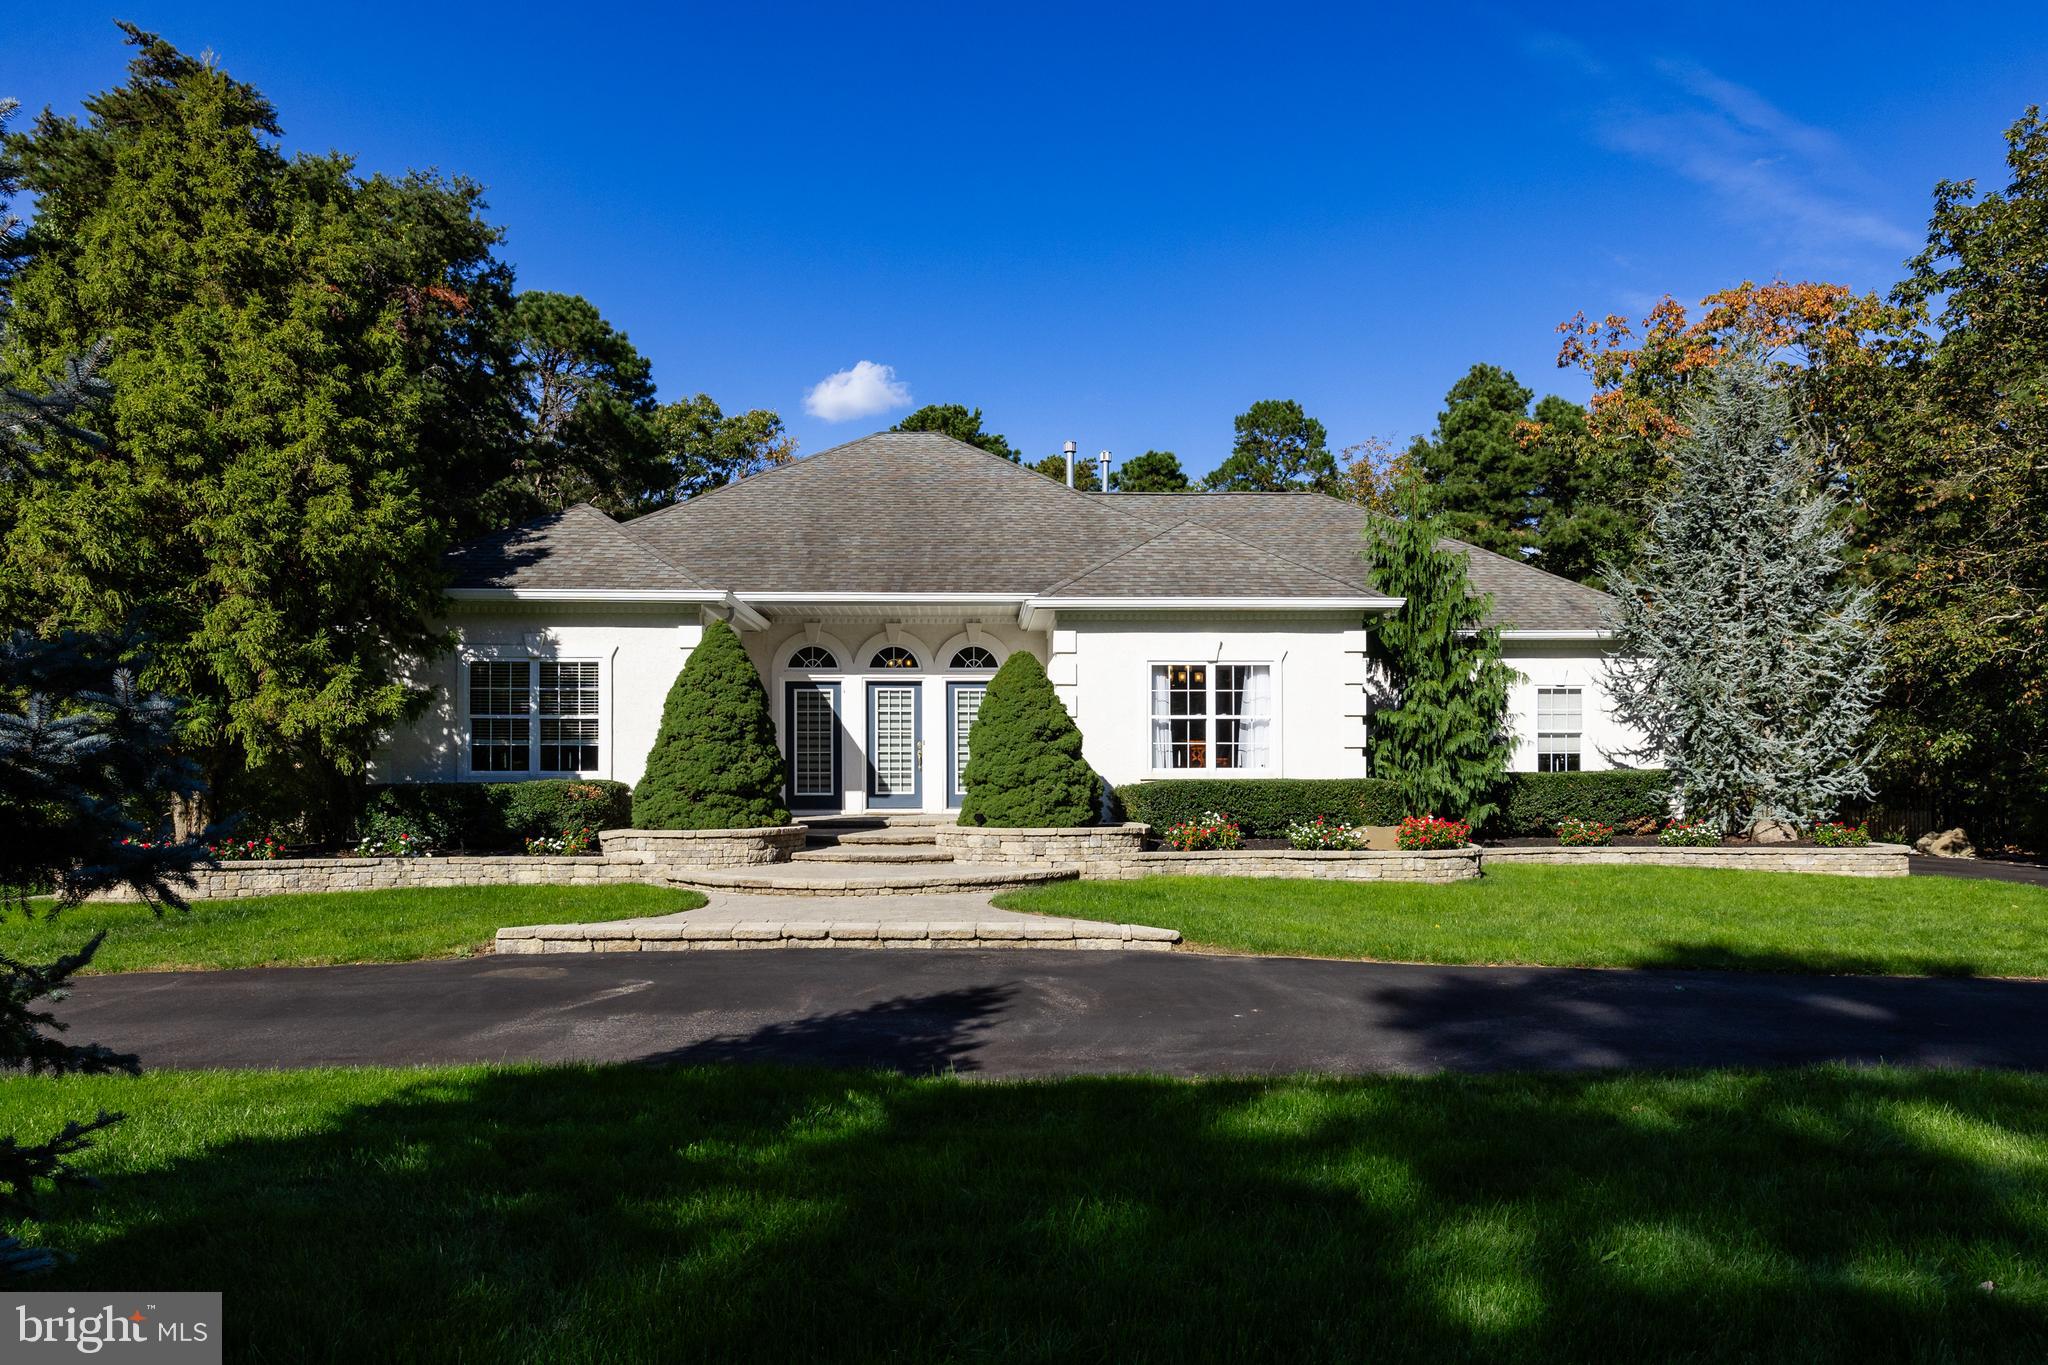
{"x":1537,"y":803}
{"x":1263,"y":807}
{"x":1024,"y":765}
{"x":715,"y":763}
{"x":493,"y":815}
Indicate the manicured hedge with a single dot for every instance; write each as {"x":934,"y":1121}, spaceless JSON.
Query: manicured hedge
{"x":1536,"y":803}
{"x":492,"y":815}
{"x":1531,"y":803}
{"x":1263,"y":806}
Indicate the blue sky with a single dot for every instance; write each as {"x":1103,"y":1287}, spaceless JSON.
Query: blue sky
{"x":1125,"y":225}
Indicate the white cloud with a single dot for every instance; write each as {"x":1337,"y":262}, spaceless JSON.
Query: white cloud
{"x":862,"y":391}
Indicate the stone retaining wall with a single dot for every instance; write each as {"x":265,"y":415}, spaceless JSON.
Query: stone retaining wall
{"x":1365,"y":865}
{"x":286,"y":876}
{"x":1875,"y":860}
{"x":1070,"y":846}
{"x":706,"y":847}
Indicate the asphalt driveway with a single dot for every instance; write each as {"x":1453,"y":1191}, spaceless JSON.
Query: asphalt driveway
{"x":1030,"y":1013}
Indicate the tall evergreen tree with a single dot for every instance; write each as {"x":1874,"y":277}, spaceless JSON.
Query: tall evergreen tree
{"x":1443,"y":736}
{"x":715,"y":763}
{"x":1279,"y":448}
{"x":588,"y":401}
{"x":309,"y":393}
{"x":1482,"y":480}
{"x":962,"y":424}
{"x":1156,"y":471}
{"x":1749,"y":668}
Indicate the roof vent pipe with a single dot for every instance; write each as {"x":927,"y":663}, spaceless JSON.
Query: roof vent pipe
{"x":1103,"y":461}
{"x":1070,"y":448}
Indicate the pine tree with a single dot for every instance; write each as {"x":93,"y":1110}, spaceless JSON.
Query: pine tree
{"x":1024,"y":765}
{"x":715,"y":763}
{"x":1482,"y":482}
{"x":1748,"y":666}
{"x":1156,"y":471}
{"x":1444,"y":740}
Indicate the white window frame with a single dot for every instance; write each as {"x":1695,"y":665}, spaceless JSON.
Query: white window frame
{"x":526,"y":654}
{"x":1568,"y":743}
{"x":595,"y":716}
{"x":1271,"y":719}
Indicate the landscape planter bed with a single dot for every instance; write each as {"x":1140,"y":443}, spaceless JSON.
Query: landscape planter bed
{"x":1080,"y":846}
{"x":229,"y":879}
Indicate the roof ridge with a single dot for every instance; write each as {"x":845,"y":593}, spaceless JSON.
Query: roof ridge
{"x":1198,"y":529}
{"x":1101,"y":564}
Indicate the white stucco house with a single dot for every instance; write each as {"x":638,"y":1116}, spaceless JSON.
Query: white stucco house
{"x":879,"y":584}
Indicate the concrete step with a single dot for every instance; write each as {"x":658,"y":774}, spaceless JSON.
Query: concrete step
{"x":703,"y":930}
{"x":868,"y":879}
{"x":871,"y":854}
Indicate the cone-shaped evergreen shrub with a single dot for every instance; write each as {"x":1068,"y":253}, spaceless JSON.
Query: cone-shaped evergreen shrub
{"x":715,"y":764}
{"x":1024,"y":765}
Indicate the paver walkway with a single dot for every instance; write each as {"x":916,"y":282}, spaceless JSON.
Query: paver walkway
{"x":957,"y":919}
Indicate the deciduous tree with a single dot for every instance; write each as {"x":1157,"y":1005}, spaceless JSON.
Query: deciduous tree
{"x":962,"y":424}
{"x":702,"y":448}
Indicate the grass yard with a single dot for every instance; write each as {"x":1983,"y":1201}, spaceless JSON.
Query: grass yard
{"x":605,"y":1214}
{"x":1596,"y":917}
{"x":324,"y":927}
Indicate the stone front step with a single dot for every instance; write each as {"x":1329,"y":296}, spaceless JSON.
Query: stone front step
{"x":683,"y":935}
{"x":914,"y":835}
{"x":867,"y":879}
{"x":871,"y":853}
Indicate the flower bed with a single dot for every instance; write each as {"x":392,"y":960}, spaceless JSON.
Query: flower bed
{"x":1419,"y":833}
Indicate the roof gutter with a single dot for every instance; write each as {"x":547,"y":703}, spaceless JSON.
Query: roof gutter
{"x":1035,"y":609}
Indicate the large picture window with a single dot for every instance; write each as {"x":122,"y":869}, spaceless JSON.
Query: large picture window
{"x":1560,"y":721}
{"x":1212,"y":716}
{"x":513,"y":702}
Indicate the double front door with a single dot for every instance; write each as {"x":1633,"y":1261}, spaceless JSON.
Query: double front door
{"x":893,"y":748}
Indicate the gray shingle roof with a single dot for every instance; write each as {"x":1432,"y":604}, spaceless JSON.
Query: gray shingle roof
{"x":1328,"y":534}
{"x":895,"y":512}
{"x":1192,"y":560}
{"x":917,"y":512}
{"x":579,"y":548}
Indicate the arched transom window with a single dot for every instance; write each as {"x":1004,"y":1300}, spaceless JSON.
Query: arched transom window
{"x":813,"y":656}
{"x":893,"y":656}
{"x":973,"y":656}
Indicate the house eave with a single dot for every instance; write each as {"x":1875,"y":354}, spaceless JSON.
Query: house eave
{"x":1036,"y":609}
{"x":741,"y":614}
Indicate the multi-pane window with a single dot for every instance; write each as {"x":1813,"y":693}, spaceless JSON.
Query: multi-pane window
{"x":568,"y":717}
{"x":973,"y":656}
{"x":813,"y":656}
{"x":500,"y":722}
{"x":893,"y":656}
{"x":509,"y":698}
{"x":1559,"y":724}
{"x":1211,"y":716}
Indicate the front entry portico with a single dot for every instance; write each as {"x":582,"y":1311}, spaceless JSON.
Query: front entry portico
{"x":883,"y":725}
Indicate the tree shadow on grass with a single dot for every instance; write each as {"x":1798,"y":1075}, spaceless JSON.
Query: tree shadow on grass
{"x":726,"y":1213}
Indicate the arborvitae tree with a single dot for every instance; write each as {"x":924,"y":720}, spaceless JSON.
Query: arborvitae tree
{"x":1024,"y":765}
{"x":1481,"y":479}
{"x":1156,"y":471}
{"x":715,"y":763}
{"x":1749,"y":667}
{"x":1444,"y":739}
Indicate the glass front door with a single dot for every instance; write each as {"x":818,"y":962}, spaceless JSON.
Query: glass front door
{"x":894,"y":750}
{"x":963,"y":704}
{"x":812,"y":733}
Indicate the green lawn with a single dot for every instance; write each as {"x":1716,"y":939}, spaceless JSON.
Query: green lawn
{"x":1597,"y":917}
{"x":753,"y":1213}
{"x":324,"y":927}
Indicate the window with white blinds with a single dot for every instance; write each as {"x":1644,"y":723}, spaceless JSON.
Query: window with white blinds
{"x":514,"y":702}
